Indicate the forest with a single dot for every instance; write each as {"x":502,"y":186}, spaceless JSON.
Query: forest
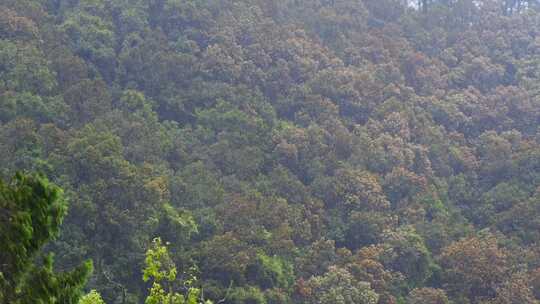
{"x":269,"y":151}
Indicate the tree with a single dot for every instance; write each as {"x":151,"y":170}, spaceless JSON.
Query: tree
{"x":160,"y":269}
{"x":474,"y":266}
{"x":93,"y":297}
{"x":367,"y":266}
{"x":427,"y":296}
{"x":409,"y":255}
{"x":92,"y":38}
{"x":338,"y":286}
{"x":31,"y":212}
{"x":269,"y":272}
{"x":517,"y":290}
{"x":24,"y":69}
{"x":87,"y":99}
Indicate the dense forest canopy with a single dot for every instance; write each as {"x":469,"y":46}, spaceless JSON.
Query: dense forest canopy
{"x":271,"y":151}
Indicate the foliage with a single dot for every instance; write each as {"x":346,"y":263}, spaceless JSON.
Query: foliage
{"x":32,"y":211}
{"x":293,"y":151}
{"x":93,"y":297}
{"x":339,"y":286}
{"x":160,"y":269}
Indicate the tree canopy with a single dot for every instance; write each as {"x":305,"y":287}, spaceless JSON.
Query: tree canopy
{"x":270,"y":151}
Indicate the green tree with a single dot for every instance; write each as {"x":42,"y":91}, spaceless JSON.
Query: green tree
{"x":93,"y":297}
{"x":160,"y":269}
{"x":32,"y":210}
{"x":339,"y":286}
{"x":409,"y":255}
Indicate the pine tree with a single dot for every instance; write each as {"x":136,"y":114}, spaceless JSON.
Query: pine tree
{"x":31,"y":212}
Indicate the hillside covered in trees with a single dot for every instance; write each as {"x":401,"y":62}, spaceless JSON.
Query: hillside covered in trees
{"x":275,"y":151}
